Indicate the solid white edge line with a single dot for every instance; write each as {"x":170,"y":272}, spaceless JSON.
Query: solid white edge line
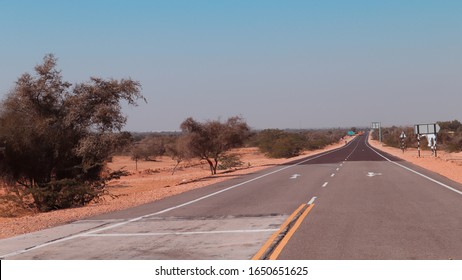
{"x":416,"y":172}
{"x":171,"y":208}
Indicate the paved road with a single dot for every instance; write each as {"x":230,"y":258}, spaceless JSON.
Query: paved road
{"x":376,"y":209}
{"x":357,"y":204}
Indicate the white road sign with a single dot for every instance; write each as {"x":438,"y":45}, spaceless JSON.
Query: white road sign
{"x":375,"y":125}
{"x":432,"y":128}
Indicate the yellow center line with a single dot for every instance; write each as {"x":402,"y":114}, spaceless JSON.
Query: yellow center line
{"x":273,"y":237}
{"x":291,"y":232}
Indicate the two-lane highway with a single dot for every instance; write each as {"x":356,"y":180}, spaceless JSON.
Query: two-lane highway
{"x":377,"y":207}
{"x":348,"y":203}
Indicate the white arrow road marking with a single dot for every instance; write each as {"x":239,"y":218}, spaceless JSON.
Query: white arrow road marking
{"x":312,"y":200}
{"x":295,"y":176}
{"x":372,"y":174}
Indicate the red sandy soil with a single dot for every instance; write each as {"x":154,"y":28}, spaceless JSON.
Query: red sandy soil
{"x":154,"y":180}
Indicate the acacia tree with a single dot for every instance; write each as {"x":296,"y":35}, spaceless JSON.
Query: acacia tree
{"x":210,"y":140}
{"x":57,"y":136}
{"x":178,"y":150}
{"x":148,"y":149}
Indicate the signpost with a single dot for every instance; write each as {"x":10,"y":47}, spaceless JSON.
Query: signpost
{"x":430,"y":131}
{"x":432,"y":128}
{"x":377,"y":125}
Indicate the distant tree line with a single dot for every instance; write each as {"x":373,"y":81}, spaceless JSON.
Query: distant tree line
{"x":278,"y":143}
{"x":211,"y":140}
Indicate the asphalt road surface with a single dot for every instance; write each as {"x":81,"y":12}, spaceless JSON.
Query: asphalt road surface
{"x":350,"y":203}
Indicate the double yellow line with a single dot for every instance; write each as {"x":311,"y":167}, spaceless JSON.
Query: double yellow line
{"x":273,"y":247}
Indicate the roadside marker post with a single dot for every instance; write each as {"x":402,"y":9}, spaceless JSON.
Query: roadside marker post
{"x":418,"y":144}
{"x":403,"y":138}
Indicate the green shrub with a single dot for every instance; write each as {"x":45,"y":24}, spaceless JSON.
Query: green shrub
{"x":289,"y":146}
{"x":62,"y":194}
{"x":230,"y":161}
{"x":277,"y":143}
{"x":455,"y":145}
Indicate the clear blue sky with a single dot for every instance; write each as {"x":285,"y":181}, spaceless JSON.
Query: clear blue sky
{"x":279,"y":64}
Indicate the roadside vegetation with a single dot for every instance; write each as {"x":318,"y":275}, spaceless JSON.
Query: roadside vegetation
{"x":57,"y":136}
{"x":449,"y":137}
{"x":56,"y":139}
{"x":278,"y":143}
{"x":211,"y":140}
